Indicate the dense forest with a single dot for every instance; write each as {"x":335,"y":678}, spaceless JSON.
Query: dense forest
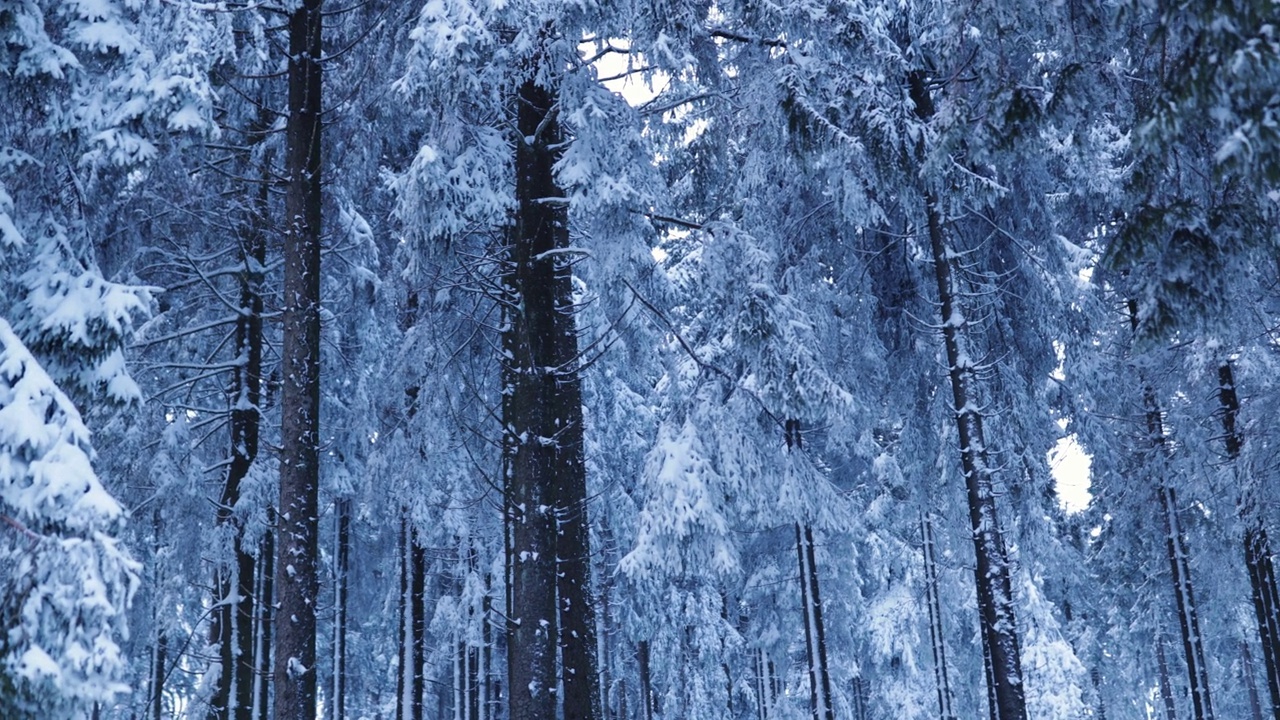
{"x":639,"y":359}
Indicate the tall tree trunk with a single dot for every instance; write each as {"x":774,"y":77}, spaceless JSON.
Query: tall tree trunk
{"x":339,"y":699}
{"x":159,"y":659}
{"x":819,"y":625}
{"x":402,"y":607}
{"x":266,"y":619}
{"x":646,"y":681}
{"x":811,"y":603}
{"x":417,"y":626}
{"x":941,"y":674}
{"x":487,"y":700}
{"x":1257,"y":546}
{"x":296,"y":582}
{"x":810,"y":661}
{"x":553,"y":614}
{"x":1179,"y":560}
{"x":1255,"y":701}
{"x":236,"y":612}
{"x":1166,"y":685}
{"x":996,"y":616}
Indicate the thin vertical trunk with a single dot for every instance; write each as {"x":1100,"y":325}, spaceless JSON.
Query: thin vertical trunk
{"x":808,"y":626}
{"x":417,"y":625}
{"x":296,"y":581}
{"x":762,"y":689}
{"x":859,"y":699}
{"x":1179,"y":560}
{"x":820,"y":628}
{"x":646,"y":681}
{"x":234,"y":619}
{"x":546,"y":476}
{"x":161,"y":659}
{"x":1257,"y":547}
{"x":811,"y":605}
{"x":1255,"y":700}
{"x":1166,"y":686}
{"x":487,"y":709}
{"x":266,"y":603}
{"x":941,"y":673}
{"x":402,"y":607}
{"x":1266,"y":604}
{"x":991,"y":569}
{"x":459,"y":673}
{"x":339,"y":699}
{"x":160,"y":655}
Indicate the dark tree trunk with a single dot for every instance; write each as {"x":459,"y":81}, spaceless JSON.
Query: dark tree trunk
{"x":811,"y":606}
{"x":1166,"y":685}
{"x":161,"y":659}
{"x":417,"y":626}
{"x":339,"y":699}
{"x":233,"y":623}
{"x":646,"y":681}
{"x":998,"y":622}
{"x":402,"y":606}
{"x":808,"y":627}
{"x":1255,"y":701}
{"x":1179,"y":560}
{"x":1257,"y":547}
{"x":937,"y":639}
{"x":487,"y":700}
{"x":296,"y":582}
{"x":266,"y":603}
{"x":553,"y":614}
{"x":820,"y":628}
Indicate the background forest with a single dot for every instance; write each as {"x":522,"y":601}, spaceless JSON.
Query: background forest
{"x":639,"y":359}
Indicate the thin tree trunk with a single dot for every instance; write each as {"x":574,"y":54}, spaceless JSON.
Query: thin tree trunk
{"x":266,"y":600}
{"x":1179,"y":561}
{"x":160,"y":660}
{"x":546,"y":484}
{"x":233,"y":693}
{"x":937,"y":640}
{"x":1255,"y":701}
{"x":339,"y":699}
{"x":1166,"y":686}
{"x":417,"y":625}
{"x":820,"y":627}
{"x":296,"y":580}
{"x":487,"y":709}
{"x":646,"y":681}
{"x":991,"y":570}
{"x":402,"y":606}
{"x":1257,"y":546}
{"x":808,"y":626}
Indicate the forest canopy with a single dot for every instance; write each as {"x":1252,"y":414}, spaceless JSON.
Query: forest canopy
{"x":639,"y":359}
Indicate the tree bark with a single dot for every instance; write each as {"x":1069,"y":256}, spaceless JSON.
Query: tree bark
{"x":417,"y":626}
{"x":339,"y":699}
{"x":266,"y":618}
{"x":991,"y":570}
{"x":296,"y":581}
{"x":402,"y":606}
{"x":233,"y":621}
{"x":646,"y":681}
{"x":1178,"y":558}
{"x":553,"y":614}
{"x":1166,"y":686}
{"x":937,"y":639}
{"x":1257,"y":546}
